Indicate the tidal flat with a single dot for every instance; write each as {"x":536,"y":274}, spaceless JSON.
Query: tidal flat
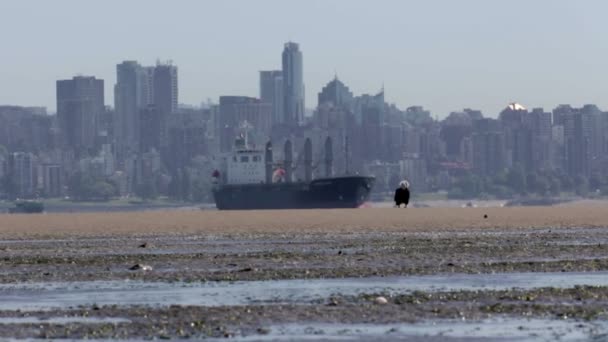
{"x":528,"y":273}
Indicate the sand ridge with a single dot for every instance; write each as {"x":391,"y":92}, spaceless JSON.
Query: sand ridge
{"x":296,"y":221}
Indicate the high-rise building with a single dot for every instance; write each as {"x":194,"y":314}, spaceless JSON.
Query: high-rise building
{"x":370,"y":110}
{"x":150,"y":129}
{"x":26,"y":129}
{"x":604,"y":150}
{"x":391,"y":139}
{"x":454,"y":129}
{"x":80,"y":101}
{"x":271,"y":91}
{"x":595,"y":133}
{"x":213,"y":128}
{"x":370,"y":105}
{"x":560,"y":113}
{"x":542,"y":134}
{"x":518,"y":135}
{"x":132,"y":92}
{"x":336,"y":94}
{"x":187,"y":139}
{"x":329,"y":117}
{"x":21,"y":172}
{"x":146,"y":167}
{"x":578,"y":138}
{"x":165,"y":100}
{"x":51,"y":180}
{"x":489,"y":152}
{"x":165,"y":93}
{"x":293,"y":84}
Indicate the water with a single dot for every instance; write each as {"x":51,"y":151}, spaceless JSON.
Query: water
{"x":63,"y":320}
{"x":48,"y":296}
{"x":442,"y":330}
{"x":515,"y":329}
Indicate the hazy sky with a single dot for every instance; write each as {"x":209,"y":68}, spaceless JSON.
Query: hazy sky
{"x":443,"y":55}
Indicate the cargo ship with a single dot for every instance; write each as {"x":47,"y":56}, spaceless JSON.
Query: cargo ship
{"x":248,"y":179}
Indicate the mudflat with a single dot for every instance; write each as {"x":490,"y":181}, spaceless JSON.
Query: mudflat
{"x":533,"y":271}
{"x":299,"y":221}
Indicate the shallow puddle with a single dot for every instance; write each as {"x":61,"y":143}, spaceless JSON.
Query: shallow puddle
{"x":442,"y":330}
{"x":63,"y":320}
{"x":46,"y":296}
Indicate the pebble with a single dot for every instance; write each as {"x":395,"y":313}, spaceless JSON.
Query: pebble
{"x":380,"y":300}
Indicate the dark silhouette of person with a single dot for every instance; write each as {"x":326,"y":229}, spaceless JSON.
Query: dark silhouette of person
{"x":402,"y":194}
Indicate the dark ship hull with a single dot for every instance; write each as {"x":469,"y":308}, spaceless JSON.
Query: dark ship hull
{"x":27,"y":207}
{"x":335,"y":192}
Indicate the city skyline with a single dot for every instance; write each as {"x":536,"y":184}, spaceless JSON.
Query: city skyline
{"x":540,"y":54}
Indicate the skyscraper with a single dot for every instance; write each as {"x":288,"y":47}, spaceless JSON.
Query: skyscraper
{"x":165,"y":93}
{"x":271,"y":91}
{"x":293,"y":84}
{"x":370,"y":110}
{"x":488,"y":146}
{"x":132,"y":93}
{"x":515,"y":120}
{"x":541,"y":147}
{"x":165,"y":100}
{"x":80,"y":101}
{"x":337,"y":94}
{"x":596,"y":135}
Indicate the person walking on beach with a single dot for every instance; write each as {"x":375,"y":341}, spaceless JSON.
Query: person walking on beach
{"x":402,"y":194}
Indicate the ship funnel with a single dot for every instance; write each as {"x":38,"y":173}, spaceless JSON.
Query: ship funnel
{"x":288,"y":161}
{"x":329,"y":157}
{"x":308,"y":160}
{"x":269,"y":161}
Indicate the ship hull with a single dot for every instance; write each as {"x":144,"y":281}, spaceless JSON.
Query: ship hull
{"x":336,"y":192}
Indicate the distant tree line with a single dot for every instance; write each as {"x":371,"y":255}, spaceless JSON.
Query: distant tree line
{"x":515,"y":182}
{"x":85,"y":187}
{"x":189,"y":184}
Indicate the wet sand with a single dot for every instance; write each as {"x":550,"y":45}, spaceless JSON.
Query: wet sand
{"x":52,"y":252}
{"x":299,"y":221}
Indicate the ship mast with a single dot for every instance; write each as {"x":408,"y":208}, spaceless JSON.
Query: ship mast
{"x":328,"y":157}
{"x":245,"y":127}
{"x":308,"y":160}
{"x":346,"y":157}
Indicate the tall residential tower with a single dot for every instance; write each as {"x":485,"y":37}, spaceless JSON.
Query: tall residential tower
{"x":271,"y":91}
{"x":80,"y":102}
{"x":165,"y":91}
{"x":132,"y":93}
{"x":293,"y":84}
